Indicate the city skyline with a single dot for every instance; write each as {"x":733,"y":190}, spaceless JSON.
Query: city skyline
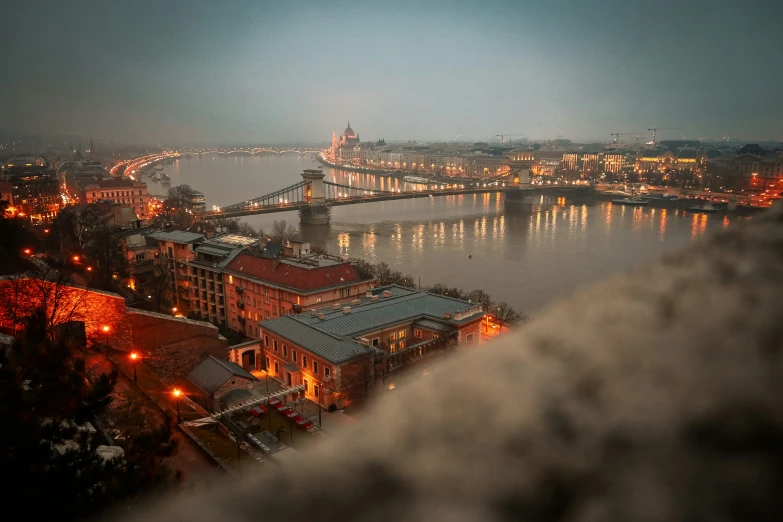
{"x":179,"y":74}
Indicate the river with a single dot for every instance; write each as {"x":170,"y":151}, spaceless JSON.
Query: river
{"x":527,"y":259}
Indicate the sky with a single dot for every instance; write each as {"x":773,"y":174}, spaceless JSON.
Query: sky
{"x":291,"y":71}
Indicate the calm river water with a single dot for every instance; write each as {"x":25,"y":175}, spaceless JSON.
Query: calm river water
{"x":527,"y":259}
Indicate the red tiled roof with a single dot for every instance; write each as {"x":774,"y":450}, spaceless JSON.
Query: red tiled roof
{"x":292,"y":276}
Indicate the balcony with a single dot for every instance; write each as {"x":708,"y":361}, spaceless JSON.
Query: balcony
{"x":241,"y":305}
{"x":240,"y":290}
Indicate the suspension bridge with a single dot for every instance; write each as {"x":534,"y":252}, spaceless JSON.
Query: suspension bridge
{"x":314,"y":197}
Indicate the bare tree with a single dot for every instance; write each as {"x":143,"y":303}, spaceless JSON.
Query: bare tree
{"x":382,"y":273}
{"x":479,"y":296}
{"x":505,"y":315}
{"x":44,"y":289}
{"x":160,"y":286}
{"x":245,"y":229}
{"x":283,"y":231}
{"x":105,"y":249}
{"x":77,"y":228}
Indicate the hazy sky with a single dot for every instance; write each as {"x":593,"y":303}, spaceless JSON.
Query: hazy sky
{"x":278,"y":71}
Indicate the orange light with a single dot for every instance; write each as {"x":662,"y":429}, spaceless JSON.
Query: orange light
{"x":28,"y":251}
{"x":75,"y":259}
{"x":134,"y":355}
{"x":105,"y":328}
{"x":46,"y":231}
{"x":177,"y":392}
{"x":89,"y":269}
{"x":174,"y":309}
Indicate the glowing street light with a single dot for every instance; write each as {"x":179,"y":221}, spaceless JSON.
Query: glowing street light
{"x":27,"y":251}
{"x":133,"y":357}
{"x":177,"y":392}
{"x":75,"y":259}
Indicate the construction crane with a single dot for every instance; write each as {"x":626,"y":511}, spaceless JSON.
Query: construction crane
{"x":655,"y":133}
{"x":503,"y":136}
{"x":618,"y":134}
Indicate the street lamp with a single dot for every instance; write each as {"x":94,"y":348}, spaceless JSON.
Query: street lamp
{"x":133,"y":357}
{"x":177,"y":393}
{"x":106,"y":333}
{"x":174,"y":310}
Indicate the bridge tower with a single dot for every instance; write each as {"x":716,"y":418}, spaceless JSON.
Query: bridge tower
{"x":318,"y":213}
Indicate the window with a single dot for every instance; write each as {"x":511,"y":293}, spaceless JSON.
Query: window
{"x":293,"y":355}
{"x":307,"y":388}
{"x":469,"y":338}
{"x":139,"y":257}
{"x":402,"y":345}
{"x":417,"y":333}
{"x":266,"y":340}
{"x":232,"y":307}
{"x":231,"y":281}
{"x":267,"y":314}
{"x":274,"y":344}
{"x":285,"y":351}
{"x":435,"y":336}
{"x":393,"y":337}
{"x":376,"y":342}
{"x":315,"y":368}
{"x":393,"y":347}
{"x":266,"y":296}
{"x":277,"y":368}
{"x":326,"y":372}
{"x":315,"y":390}
{"x":318,"y":299}
{"x":304,"y":361}
{"x":401,"y":334}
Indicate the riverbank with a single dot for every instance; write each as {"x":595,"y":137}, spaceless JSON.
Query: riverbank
{"x":683,"y":203}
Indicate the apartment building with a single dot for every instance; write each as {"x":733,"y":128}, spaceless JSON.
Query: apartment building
{"x":338,"y":351}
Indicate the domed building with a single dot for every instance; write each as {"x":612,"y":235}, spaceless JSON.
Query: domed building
{"x":347,"y":146}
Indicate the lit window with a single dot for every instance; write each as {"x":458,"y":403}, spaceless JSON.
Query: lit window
{"x":417,"y":333}
{"x":401,"y":334}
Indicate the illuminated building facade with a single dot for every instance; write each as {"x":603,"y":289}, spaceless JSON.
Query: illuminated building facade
{"x":262,"y":287}
{"x":36,"y":197}
{"x":347,"y":147}
{"x":207,"y":282}
{"x":122,"y":191}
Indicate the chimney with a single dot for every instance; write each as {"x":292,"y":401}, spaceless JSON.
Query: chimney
{"x":312,"y":312}
{"x":386,"y":293}
{"x":321,"y":317}
{"x":347,"y":310}
{"x":356,"y":302}
{"x":447,"y":315}
{"x":374,"y":298}
{"x":336,"y":306}
{"x":368,"y":293}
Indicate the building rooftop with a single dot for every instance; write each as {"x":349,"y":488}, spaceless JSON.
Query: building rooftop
{"x":177,"y":236}
{"x":303,"y":274}
{"x":335,"y":336}
{"x":235,"y":240}
{"x":213,"y":373}
{"x":401,"y":306}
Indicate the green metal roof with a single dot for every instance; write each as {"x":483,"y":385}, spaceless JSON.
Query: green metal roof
{"x":334,"y":348}
{"x":334,"y":336}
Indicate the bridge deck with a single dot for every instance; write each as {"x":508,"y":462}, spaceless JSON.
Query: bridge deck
{"x":353,"y":200}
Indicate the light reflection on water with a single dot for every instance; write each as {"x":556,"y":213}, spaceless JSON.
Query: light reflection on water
{"x":525,"y":258}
